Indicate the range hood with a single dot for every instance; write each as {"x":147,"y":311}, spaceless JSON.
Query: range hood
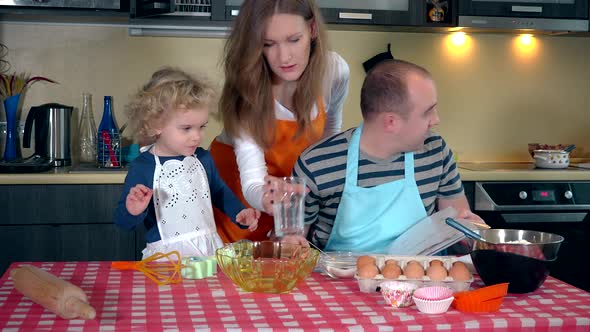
{"x":523,"y":23}
{"x":530,"y":15}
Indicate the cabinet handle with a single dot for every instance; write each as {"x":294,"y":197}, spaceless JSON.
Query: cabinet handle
{"x":355,"y":16}
{"x":527,"y":9}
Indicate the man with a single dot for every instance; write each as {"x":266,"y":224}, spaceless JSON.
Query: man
{"x":371,"y":183}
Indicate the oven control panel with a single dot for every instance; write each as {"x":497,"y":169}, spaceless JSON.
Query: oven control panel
{"x":539,"y":194}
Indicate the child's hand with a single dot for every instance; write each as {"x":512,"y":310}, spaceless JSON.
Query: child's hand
{"x":249,"y":217}
{"x":138,"y":199}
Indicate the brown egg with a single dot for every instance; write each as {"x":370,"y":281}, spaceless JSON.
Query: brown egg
{"x":436,"y":262}
{"x":414,"y":270}
{"x":368,"y":271}
{"x":436,"y":271}
{"x":364,"y":260}
{"x":391,"y":261}
{"x":459,"y":272}
{"x":391,"y":271}
{"x":414,"y":262}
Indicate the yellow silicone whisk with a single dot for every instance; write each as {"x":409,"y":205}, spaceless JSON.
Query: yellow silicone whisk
{"x":163,"y":269}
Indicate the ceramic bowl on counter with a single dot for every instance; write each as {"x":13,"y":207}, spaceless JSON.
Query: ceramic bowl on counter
{"x":550,"y":156}
{"x":266,"y":266}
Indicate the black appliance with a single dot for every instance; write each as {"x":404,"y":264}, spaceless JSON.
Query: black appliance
{"x":551,"y":15}
{"x":52,"y":124}
{"x":559,"y":207}
{"x":209,"y":10}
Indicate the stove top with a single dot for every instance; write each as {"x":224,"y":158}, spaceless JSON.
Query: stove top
{"x":507,"y":166}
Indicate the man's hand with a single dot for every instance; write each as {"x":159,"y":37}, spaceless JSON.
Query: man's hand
{"x":474,"y":218}
{"x":295,"y":239}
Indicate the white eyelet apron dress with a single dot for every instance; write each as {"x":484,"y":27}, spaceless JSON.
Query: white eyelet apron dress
{"x":182,"y":202}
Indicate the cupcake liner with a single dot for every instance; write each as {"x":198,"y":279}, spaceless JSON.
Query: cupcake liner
{"x":398,"y":294}
{"x":433,"y":293}
{"x":433,"y":307}
{"x":486,"y":299}
{"x":466,"y":305}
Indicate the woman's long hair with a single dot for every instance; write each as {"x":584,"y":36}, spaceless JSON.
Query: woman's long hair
{"x":247,"y":103}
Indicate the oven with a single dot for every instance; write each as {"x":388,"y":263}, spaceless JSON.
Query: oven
{"x":560,"y":207}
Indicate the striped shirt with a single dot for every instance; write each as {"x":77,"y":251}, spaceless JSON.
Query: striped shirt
{"x":323,"y":165}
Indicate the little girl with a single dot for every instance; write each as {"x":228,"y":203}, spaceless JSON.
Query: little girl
{"x":172,"y":183}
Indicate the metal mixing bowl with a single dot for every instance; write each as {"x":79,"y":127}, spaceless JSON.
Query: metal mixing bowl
{"x":520,"y":257}
{"x":266,"y":266}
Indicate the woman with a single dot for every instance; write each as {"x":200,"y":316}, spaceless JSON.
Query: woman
{"x":283,"y":91}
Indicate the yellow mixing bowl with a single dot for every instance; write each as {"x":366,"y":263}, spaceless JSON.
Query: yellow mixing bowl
{"x":266,"y":266}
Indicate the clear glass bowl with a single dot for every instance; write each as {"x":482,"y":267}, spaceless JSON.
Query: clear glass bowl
{"x":266,"y":266}
{"x":339,"y":264}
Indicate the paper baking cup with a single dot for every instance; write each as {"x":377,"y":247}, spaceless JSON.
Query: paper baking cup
{"x":433,"y":307}
{"x":398,"y":294}
{"x":433,"y":293}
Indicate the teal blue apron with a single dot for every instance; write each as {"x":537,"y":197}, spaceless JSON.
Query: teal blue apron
{"x":369,"y":219}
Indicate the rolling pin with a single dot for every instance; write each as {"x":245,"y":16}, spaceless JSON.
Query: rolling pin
{"x":57,"y":295}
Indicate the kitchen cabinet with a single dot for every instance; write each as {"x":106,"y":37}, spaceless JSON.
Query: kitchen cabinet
{"x":212,"y":18}
{"x":63,"y":223}
{"x":80,"y":12}
{"x":384,"y":12}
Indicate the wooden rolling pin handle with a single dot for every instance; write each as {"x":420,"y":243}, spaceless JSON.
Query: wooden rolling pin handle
{"x":80,"y":308}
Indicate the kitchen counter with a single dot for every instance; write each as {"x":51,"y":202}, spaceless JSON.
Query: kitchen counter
{"x":521,"y":171}
{"x":524,"y":175}
{"x":62,"y":175}
{"x":127,"y":300}
{"x":99,"y":176}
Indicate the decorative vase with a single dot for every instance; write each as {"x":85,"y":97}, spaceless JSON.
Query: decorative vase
{"x":10,"y":107}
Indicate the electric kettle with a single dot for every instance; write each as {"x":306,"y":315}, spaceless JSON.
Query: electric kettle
{"x":52,"y":133}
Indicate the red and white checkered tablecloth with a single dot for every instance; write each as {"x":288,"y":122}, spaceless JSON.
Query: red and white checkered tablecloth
{"x":127,"y":300}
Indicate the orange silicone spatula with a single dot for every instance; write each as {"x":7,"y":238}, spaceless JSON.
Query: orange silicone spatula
{"x":163,"y":269}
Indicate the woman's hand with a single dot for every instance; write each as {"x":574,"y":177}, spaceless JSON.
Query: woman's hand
{"x":138,"y":199}
{"x":249,"y":217}
{"x":271,"y":183}
{"x":275,"y":189}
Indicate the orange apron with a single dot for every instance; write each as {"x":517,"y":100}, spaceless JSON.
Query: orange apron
{"x":280,"y":159}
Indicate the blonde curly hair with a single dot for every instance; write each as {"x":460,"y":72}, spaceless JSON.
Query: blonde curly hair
{"x":168,"y":90}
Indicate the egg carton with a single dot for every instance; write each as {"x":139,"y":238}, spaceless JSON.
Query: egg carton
{"x":369,"y":285}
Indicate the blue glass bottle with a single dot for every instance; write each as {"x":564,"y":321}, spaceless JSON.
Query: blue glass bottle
{"x":108,"y":139}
